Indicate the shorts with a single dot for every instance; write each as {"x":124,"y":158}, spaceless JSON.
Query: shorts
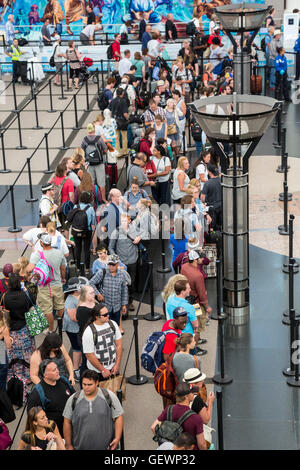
{"x":97,"y":173}
{"x":73,"y":337}
{"x":49,"y":298}
{"x":74,"y":72}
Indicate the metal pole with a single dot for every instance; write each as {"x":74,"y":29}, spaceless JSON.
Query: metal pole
{"x":51,"y":110}
{"x":294,"y":381}
{"x":75,"y":112}
{"x":137,"y":379}
{"x":31,"y":198}
{"x":120,"y":398}
{"x":87,"y":96}
{"x":81,"y":269}
{"x":5,"y":170}
{"x":287,"y":314}
{"x":285,"y":268}
{"x":163,"y":269}
{"x":62,"y":96}
{"x":21,"y":146}
{"x":220,"y":420}
{"x":48,"y":171}
{"x":97,"y":77}
{"x":219,"y":313}
{"x":15,"y":97}
{"x":102,"y":74}
{"x":36,"y":113}
{"x":221,"y":379}
{"x":152,"y":316}
{"x":285,"y":167}
{"x":280,"y":168}
{"x":67,"y":75}
{"x":63,"y":147}
{"x":14,"y":228}
{"x":284,"y":229}
{"x":279,"y":124}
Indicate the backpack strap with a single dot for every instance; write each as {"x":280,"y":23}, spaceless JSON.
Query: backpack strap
{"x":107,"y":397}
{"x":75,"y":398}
{"x":185,"y":416}
{"x":44,"y":400}
{"x":94,"y":330}
{"x":169,"y":413}
{"x":196,"y":362}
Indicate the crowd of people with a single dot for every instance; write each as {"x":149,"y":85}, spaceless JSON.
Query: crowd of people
{"x":93,"y":239}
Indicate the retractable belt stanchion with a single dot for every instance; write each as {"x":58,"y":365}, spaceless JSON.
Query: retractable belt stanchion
{"x":4,"y":170}
{"x":76,"y":127}
{"x":64,"y":146}
{"x":37,"y":126}
{"x":285,"y":166}
{"x":284,"y":229}
{"x":287,"y":313}
{"x":152,"y":316}
{"x":285,"y":268}
{"x":137,"y":379}
{"x":14,"y":228}
{"x":31,"y":198}
{"x":164,"y":268}
{"x":220,"y":419}
{"x":20,"y":146}
{"x":51,"y":110}
{"x":48,"y":170}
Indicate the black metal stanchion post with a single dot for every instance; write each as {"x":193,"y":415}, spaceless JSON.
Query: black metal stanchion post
{"x":81,"y":269}
{"x":31,"y":198}
{"x":285,"y":166}
{"x":62,"y":96}
{"x":164,"y":268}
{"x":15,"y":97}
{"x":31,"y":82}
{"x":126,"y":161}
{"x":184,"y":143}
{"x":152,"y":316}
{"x":63,"y":147}
{"x":51,"y":110}
{"x":285,"y":268}
{"x":87,"y":96}
{"x":37,"y":126}
{"x":97,"y":78}
{"x":67,"y":75}
{"x":280,"y":168}
{"x":20,"y":146}
{"x":137,"y":379}
{"x":294,"y":380}
{"x":120,"y":398}
{"x":102,"y":74}
{"x":284,"y":229}
{"x":14,"y":228}
{"x":290,"y":371}
{"x":76,"y":127}
{"x":287,"y":313}
{"x":189,"y":133}
{"x":48,"y":171}
{"x":220,"y":419}
{"x":4,"y":170}
{"x":277,"y":144}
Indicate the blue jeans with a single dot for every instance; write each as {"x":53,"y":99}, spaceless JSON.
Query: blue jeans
{"x":198,"y":144}
{"x":115,"y":316}
{"x":3,"y":376}
{"x":272,"y":73}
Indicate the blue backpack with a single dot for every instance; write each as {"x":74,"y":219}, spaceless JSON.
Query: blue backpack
{"x":44,"y":400}
{"x":152,"y":356}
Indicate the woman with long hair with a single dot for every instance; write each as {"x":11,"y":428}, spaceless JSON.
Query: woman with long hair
{"x":52,"y":348}
{"x":17,"y":303}
{"x":201,"y":167}
{"x":5,"y":342}
{"x":163,"y":168}
{"x":78,"y":159}
{"x":178,"y":239}
{"x":183,"y":359}
{"x":73,"y":57}
{"x":180,"y":180}
{"x":140,"y":67}
{"x":39,"y":432}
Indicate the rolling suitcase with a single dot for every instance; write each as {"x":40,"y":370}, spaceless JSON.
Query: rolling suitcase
{"x":256,"y":84}
{"x":111,"y":171}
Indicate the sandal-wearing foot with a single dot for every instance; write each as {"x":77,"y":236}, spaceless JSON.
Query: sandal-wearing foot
{"x":94,"y":252}
{"x":122,"y":332}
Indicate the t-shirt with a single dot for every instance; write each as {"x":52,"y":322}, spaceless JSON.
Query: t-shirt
{"x":89,"y":30}
{"x":105,"y":349}
{"x":179,"y":246}
{"x":193,"y":425}
{"x":18,"y":304}
{"x":118,"y":107}
{"x":92,"y":420}
{"x":161,"y":164}
{"x":124,"y":66}
{"x":213,"y":192}
{"x":68,"y":324}
{"x":83,"y":315}
{"x":181,"y":363}
{"x":170,"y":346}
{"x":198,"y":404}
{"x":55,"y":258}
{"x":67,"y":188}
{"x":45,"y":32}
{"x":170,"y":26}
{"x":31,"y":236}
{"x":174,"y":302}
{"x":58,"y":395}
{"x":200,"y":169}
{"x":91,"y":18}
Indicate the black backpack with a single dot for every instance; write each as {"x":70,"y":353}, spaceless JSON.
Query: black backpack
{"x":109,"y":52}
{"x":196,"y":131}
{"x":169,"y":430}
{"x":79,"y":220}
{"x":124,"y":38}
{"x":263,"y":44}
{"x":190,"y":28}
{"x":126,"y":96}
{"x":16,"y":386}
{"x":7,"y":413}
{"x":93,"y":154}
{"x":94,"y":331}
{"x":102,"y":100}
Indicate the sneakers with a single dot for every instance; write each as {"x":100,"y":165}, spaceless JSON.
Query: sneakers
{"x":201,"y":352}
{"x":202,"y":341}
{"x":131,"y":307}
{"x":77,"y":375}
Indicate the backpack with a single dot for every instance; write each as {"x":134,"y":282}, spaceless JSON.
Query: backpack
{"x":102,"y":100}
{"x":16,"y":386}
{"x":51,"y":60}
{"x":44,"y":400}
{"x":5,"y":439}
{"x":190,"y":28}
{"x":196,"y":131}
{"x":93,"y":154}
{"x":124,"y":38}
{"x":57,"y":191}
{"x":126,"y":96}
{"x":263,"y":44}
{"x":169,"y":430}
{"x":103,"y":390}
{"x":152,"y":357}
{"x":94,"y":330}
{"x":109,"y":52}
{"x":44,"y":270}
{"x":79,"y":220}
{"x":7,"y":413}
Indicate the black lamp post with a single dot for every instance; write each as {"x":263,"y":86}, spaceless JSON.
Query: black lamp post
{"x":242,"y":18}
{"x":239,"y":120}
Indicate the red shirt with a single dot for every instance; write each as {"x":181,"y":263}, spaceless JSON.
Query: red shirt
{"x":150,"y":168}
{"x":3,"y":285}
{"x":170,"y":346}
{"x":116,"y":48}
{"x":145,"y":147}
{"x":193,"y":425}
{"x":214,"y":35}
{"x":67,"y":188}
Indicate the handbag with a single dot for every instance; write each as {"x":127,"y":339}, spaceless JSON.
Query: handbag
{"x":114,"y":384}
{"x":172,"y":129}
{"x":122,"y":123}
{"x":35,"y":319}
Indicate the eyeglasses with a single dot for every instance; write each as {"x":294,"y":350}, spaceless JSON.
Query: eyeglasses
{"x":104,"y":315}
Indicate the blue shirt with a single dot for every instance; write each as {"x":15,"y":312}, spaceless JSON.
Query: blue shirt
{"x":179,"y":246}
{"x":10,"y":32}
{"x":297,"y":45}
{"x":174,"y":302}
{"x":280,"y":63}
{"x":145,"y":39}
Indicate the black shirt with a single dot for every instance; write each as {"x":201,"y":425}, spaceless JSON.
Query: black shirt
{"x":41,"y":443}
{"x":170,"y":26}
{"x":83,"y":315}
{"x":198,"y":404}
{"x":58,"y":395}
{"x":91,"y":18}
{"x":118,"y":107}
{"x":18,"y":304}
{"x":213,"y":192}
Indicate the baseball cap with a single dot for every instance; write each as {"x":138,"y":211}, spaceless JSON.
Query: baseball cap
{"x":75,"y":283}
{"x":113,"y":259}
{"x":45,"y":238}
{"x":7,"y":269}
{"x":193,"y":255}
{"x":184,"y":389}
{"x":179,"y":312}
{"x":277,"y":31}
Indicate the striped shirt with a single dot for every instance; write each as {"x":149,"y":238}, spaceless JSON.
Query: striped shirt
{"x":149,"y":115}
{"x":113,"y":289}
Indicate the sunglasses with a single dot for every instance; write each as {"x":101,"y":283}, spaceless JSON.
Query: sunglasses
{"x":104,"y":315}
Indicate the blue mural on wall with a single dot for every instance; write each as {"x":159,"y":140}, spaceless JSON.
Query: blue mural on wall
{"x":113,"y":11}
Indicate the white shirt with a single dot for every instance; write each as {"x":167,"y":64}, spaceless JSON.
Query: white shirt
{"x":154,"y":47}
{"x":124,"y":66}
{"x":200,"y":169}
{"x":161,"y":165}
{"x":89,"y":30}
